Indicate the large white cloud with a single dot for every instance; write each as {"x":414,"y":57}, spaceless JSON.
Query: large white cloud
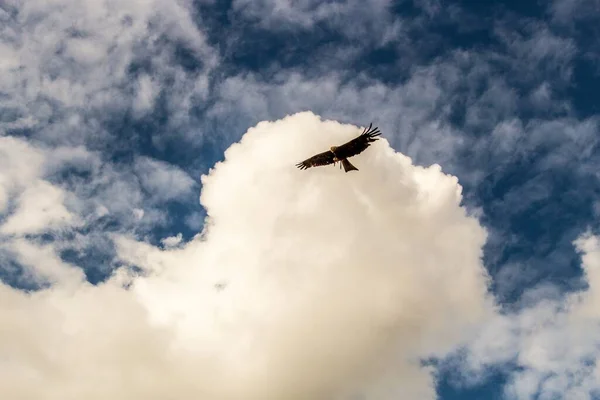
{"x":304,"y":284}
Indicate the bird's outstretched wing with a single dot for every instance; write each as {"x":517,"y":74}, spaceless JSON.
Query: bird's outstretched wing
{"x":358,"y":144}
{"x":324,"y":158}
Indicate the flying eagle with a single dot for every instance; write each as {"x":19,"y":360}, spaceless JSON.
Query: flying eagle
{"x":343,"y":152}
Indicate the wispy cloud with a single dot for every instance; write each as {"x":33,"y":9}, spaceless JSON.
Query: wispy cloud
{"x":68,"y":66}
{"x":162,"y":180}
{"x":371,"y":22}
{"x":568,"y":11}
{"x":552,"y":341}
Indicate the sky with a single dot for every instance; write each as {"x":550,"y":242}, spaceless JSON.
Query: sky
{"x":158,"y":242}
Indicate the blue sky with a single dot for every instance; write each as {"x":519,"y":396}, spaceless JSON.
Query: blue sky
{"x":110,"y":113}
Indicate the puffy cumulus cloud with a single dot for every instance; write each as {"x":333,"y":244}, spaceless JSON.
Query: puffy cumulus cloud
{"x":89,"y":341}
{"x":304,"y":284}
{"x":552,"y":340}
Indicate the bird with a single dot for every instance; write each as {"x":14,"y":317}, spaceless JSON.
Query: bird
{"x":341,"y":153}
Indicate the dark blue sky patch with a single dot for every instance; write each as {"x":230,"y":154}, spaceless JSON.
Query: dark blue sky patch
{"x":585,"y":91}
{"x":14,"y":274}
{"x":17,"y":276}
{"x":9,"y":114}
{"x":246,"y":45}
{"x":533,"y":8}
{"x":451,"y":388}
{"x":455,"y":381}
{"x":538,"y":214}
{"x":96,"y":258}
{"x":178,"y":223}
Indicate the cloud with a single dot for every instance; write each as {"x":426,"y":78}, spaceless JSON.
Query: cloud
{"x":537,"y":52}
{"x":568,"y":11}
{"x":440,"y":112}
{"x":20,"y":164}
{"x":71,"y":68}
{"x":372,"y":22}
{"x":71,"y":198}
{"x":552,"y":340}
{"x":75,"y":78}
{"x":43,"y":265}
{"x":40,"y":208}
{"x":419,"y":129}
{"x":147,"y":91}
{"x":30,"y":204}
{"x":303,"y":284}
{"x":57,"y":189}
{"x":162,"y":180}
{"x":172,"y":241}
{"x":498,"y":116}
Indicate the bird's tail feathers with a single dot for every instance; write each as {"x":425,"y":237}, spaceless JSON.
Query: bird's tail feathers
{"x":348,"y":165}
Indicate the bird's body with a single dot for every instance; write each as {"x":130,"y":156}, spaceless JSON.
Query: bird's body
{"x":341,"y":153}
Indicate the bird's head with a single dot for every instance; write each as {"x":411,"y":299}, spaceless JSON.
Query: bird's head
{"x":332,"y":148}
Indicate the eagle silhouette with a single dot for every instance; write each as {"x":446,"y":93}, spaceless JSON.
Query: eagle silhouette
{"x":343,"y":152}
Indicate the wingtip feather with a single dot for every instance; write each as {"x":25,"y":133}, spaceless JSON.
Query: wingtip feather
{"x":372,"y":133}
